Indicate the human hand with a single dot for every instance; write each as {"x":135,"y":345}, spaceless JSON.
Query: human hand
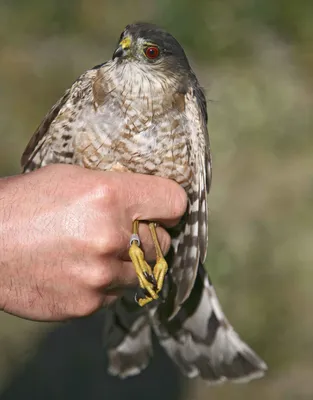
{"x":64,"y":237}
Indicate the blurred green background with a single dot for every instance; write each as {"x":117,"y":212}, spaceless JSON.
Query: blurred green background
{"x":255,"y":60}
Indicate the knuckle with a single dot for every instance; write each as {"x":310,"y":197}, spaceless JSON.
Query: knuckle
{"x":108,"y":193}
{"x":99,"y":276}
{"x":89,"y":306}
{"x":101,"y":244}
{"x":110,"y":241}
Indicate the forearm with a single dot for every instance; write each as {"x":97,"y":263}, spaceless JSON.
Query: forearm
{"x":6,"y":204}
{"x":18,"y":205}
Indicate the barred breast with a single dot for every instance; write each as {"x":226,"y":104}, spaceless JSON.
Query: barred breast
{"x":143,"y":132}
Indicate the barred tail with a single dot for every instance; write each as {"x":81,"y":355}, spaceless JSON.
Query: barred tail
{"x":202,"y":342}
{"x":127,"y":337}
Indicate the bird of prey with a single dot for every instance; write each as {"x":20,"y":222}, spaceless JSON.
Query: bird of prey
{"x":145,"y":112}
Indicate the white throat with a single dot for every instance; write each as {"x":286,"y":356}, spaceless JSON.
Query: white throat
{"x":135,"y":79}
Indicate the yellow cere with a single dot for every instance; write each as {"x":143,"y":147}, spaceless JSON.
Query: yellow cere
{"x":125,"y":43}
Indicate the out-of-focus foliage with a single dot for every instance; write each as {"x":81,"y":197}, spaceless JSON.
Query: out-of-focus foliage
{"x":255,"y":61}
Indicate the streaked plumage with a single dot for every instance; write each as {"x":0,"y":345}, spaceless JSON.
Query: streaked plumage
{"x":149,"y":116}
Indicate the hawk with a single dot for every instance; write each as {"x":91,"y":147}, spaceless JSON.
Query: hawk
{"x":144,"y":111}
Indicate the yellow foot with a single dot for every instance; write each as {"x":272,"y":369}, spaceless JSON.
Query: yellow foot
{"x":159,"y":272}
{"x":143,"y":270}
{"x":142,"y":301}
{"x":161,"y":267}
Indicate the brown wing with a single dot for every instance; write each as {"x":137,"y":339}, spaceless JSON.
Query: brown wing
{"x":190,"y":241}
{"x":41,"y":135}
{"x":39,"y":150}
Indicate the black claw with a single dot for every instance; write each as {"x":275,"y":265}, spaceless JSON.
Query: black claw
{"x":150,"y":279}
{"x":161,"y":297}
{"x":141,"y":294}
{"x":136,"y":298}
{"x":144,"y":294}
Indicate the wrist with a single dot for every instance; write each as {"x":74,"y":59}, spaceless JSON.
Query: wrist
{"x":6,"y":201}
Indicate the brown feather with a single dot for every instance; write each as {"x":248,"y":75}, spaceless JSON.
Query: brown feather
{"x":40,"y":134}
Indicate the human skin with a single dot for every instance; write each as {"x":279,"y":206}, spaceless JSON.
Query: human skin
{"x":64,"y":237}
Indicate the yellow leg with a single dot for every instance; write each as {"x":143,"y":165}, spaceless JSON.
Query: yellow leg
{"x":160,"y":268}
{"x":143,"y":270}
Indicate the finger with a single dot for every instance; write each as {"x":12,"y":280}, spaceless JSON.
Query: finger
{"x":121,"y":274}
{"x":110,"y":298}
{"x":147,"y":244}
{"x":107,"y":274}
{"x":111,"y":295}
{"x":149,"y":197}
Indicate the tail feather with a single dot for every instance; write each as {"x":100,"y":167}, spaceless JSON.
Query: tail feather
{"x":202,"y":342}
{"x":128,"y":338}
{"x":199,"y":338}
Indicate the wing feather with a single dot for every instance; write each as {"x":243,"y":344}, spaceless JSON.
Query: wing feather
{"x":41,"y":134}
{"x":40,"y":151}
{"x":191,"y":238}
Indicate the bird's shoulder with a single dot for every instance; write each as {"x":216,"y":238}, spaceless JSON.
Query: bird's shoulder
{"x":199,"y":96}
{"x":69,"y":103}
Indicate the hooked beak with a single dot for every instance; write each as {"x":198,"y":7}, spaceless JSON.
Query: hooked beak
{"x":119,"y":52}
{"x":122,"y":48}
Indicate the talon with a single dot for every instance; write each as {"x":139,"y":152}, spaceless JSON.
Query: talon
{"x":142,"y":297}
{"x":143,"y":270}
{"x":151,"y":279}
{"x":143,"y":302}
{"x":140,"y":294}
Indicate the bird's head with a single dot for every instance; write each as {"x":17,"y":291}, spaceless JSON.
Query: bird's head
{"x":152,"y":48}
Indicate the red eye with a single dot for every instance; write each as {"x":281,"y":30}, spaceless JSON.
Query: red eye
{"x":152,"y":52}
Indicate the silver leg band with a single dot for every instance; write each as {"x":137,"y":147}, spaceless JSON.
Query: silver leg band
{"x":134,"y":237}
